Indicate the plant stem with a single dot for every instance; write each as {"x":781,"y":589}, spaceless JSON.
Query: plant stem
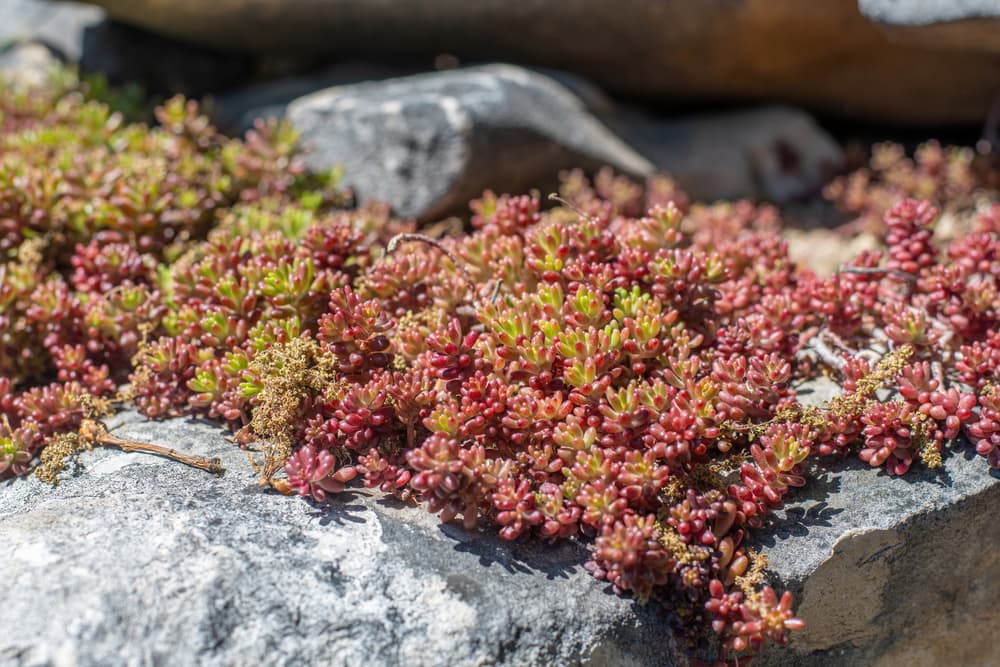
{"x":96,"y":434}
{"x":874,"y":270}
{"x":422,"y":238}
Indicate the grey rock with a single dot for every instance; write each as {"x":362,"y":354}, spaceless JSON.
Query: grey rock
{"x":141,"y":561}
{"x":822,"y":54}
{"x":427,"y":144}
{"x":589,"y":93}
{"x":891,"y":571}
{"x":962,"y":25}
{"x":237,"y":109}
{"x":58,"y":25}
{"x":135,"y":560}
{"x":27,"y":64}
{"x":775,"y":153}
{"x":924,"y":12}
{"x":82,"y":34}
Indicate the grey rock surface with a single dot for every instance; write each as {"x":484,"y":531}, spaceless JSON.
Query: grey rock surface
{"x":27,"y":64}
{"x":82,"y":34}
{"x":138,"y":561}
{"x":427,"y":144}
{"x":821,"y":54}
{"x":237,"y":109}
{"x":960,"y":25}
{"x":924,"y":12}
{"x":775,"y":153}
{"x":58,"y":25}
{"x":891,"y":571}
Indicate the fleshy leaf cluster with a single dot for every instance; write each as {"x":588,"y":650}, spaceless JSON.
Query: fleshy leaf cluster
{"x":618,"y":366}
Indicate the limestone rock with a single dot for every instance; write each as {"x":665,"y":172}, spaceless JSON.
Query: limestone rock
{"x":237,"y":109}
{"x":142,"y":561}
{"x":821,"y":54}
{"x":773,"y":153}
{"x":428,"y":144}
{"x":892,"y":571}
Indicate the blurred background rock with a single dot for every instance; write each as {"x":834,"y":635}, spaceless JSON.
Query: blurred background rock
{"x":735,"y":98}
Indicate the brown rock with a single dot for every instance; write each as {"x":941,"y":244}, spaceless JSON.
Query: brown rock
{"x":823,"y":53}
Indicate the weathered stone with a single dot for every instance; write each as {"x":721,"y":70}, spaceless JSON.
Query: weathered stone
{"x":891,"y":571}
{"x":971,"y":25}
{"x":819,"y":54}
{"x":58,"y":25}
{"x":27,"y":64}
{"x":825,"y":250}
{"x":427,"y":144}
{"x":82,"y":34}
{"x":924,"y":12}
{"x":142,"y":561}
{"x":775,"y":153}
{"x":236,"y":110}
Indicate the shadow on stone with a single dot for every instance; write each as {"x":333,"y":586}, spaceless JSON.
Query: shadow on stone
{"x":808,"y":509}
{"x":517,"y":557}
{"x":558,"y":562}
{"x":341,"y":511}
{"x":798,"y":521}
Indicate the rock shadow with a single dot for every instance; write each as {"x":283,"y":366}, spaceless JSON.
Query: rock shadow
{"x":797,"y":522}
{"x":559,"y":561}
{"x":340,"y":510}
{"x":808,"y":508}
{"x":126,"y":54}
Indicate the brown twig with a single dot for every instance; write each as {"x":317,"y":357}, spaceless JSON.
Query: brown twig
{"x":556,"y":198}
{"x":96,"y":434}
{"x":423,"y":238}
{"x":874,"y":270}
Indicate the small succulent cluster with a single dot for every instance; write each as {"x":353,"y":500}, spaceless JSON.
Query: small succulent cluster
{"x":950,"y":176}
{"x":619,"y":368}
{"x":91,"y":210}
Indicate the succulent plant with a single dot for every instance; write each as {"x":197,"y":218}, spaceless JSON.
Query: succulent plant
{"x":619,"y":368}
